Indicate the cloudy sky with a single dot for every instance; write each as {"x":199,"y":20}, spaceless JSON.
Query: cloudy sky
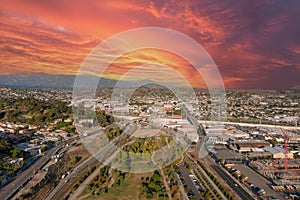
{"x":255,"y":43}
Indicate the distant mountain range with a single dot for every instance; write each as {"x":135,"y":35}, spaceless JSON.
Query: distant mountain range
{"x":41,"y":80}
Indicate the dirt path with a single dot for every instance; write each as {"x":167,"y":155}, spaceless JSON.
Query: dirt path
{"x":166,"y":183}
{"x":163,"y":176}
{"x":78,"y":191}
{"x":81,"y":187}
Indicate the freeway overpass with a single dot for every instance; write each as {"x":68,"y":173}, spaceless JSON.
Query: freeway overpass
{"x":198,"y":127}
{"x":200,"y":148}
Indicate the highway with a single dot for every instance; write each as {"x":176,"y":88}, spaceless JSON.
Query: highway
{"x":20,"y":180}
{"x":228,"y":179}
{"x":62,"y":189}
{"x":189,"y":182}
{"x":232,"y":183}
{"x":105,"y":154}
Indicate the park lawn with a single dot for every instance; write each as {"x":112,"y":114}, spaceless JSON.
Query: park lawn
{"x":129,"y":189}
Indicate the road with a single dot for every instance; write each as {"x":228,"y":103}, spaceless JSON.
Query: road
{"x":106,"y":154}
{"x":189,"y":182}
{"x":232,"y":183}
{"x":75,"y":194}
{"x":62,"y":189}
{"x":14,"y":186}
{"x":181,"y":188}
{"x":207,"y":177}
{"x":253,"y":125}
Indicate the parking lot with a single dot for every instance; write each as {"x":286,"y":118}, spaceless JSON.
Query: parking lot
{"x":258,"y":180}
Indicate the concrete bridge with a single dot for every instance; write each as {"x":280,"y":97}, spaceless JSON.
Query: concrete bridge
{"x":200,"y":148}
{"x":198,"y":127}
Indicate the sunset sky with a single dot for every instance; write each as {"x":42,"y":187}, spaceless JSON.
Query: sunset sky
{"x":255,"y":43}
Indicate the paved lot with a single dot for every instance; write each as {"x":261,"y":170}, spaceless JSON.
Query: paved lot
{"x":258,"y":180}
{"x":189,"y":182}
{"x":224,"y":152}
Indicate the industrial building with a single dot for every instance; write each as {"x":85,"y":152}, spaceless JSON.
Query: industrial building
{"x":278,"y":152}
{"x":247,"y":145}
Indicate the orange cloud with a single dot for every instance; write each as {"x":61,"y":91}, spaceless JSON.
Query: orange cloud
{"x":249,"y":41}
{"x":134,"y":59}
{"x":38,"y":47}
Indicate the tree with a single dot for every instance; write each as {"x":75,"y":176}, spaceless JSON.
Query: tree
{"x":44,"y":148}
{"x":69,"y":129}
{"x":156,"y":177}
{"x":157,"y":188}
{"x":17,"y":153}
{"x":75,"y":159}
{"x":49,"y":143}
